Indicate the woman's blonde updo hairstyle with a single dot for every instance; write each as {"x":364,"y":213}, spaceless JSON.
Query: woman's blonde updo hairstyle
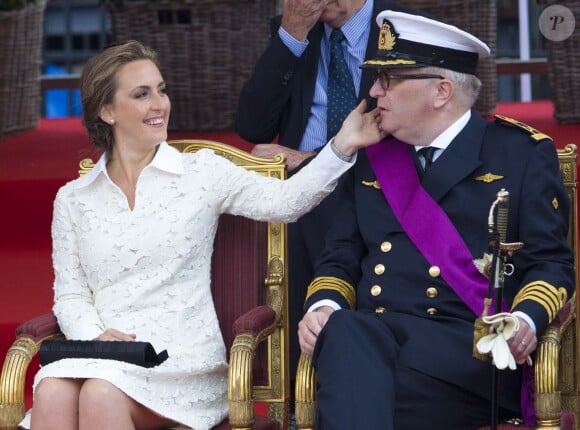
{"x":98,"y":85}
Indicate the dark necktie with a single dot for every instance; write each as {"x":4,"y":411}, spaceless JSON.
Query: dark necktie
{"x":427,"y":152}
{"x":341,"y":94}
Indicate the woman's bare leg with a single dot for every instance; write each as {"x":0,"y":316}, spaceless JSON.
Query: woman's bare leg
{"x":56,"y":403}
{"x":103,"y":406}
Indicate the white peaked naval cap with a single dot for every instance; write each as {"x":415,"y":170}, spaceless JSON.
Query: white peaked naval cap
{"x":407,"y":41}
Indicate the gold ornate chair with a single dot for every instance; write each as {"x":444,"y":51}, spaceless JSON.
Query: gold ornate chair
{"x":249,"y":288}
{"x":557,"y":368}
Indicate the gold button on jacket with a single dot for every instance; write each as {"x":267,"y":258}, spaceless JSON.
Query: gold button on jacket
{"x":432,"y":292}
{"x":434,"y":271}
{"x":376,"y":290}
{"x":386,"y":246}
{"x":431,"y":312}
{"x":379,"y":269}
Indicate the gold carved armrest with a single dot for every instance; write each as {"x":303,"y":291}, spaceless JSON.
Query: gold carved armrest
{"x":547,"y":400}
{"x":29,"y":336}
{"x":250,"y":329}
{"x":305,"y":408}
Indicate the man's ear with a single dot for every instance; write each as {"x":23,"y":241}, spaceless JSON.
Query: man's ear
{"x":444,"y":92}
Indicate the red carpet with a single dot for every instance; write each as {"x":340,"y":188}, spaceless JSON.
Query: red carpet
{"x":35,"y":163}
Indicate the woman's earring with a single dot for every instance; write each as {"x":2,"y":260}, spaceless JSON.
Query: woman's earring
{"x":112,"y":121}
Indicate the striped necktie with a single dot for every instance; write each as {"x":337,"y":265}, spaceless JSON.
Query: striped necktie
{"x":340,"y":92}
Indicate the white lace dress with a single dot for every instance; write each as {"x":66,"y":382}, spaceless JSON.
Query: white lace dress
{"x":147,"y":270}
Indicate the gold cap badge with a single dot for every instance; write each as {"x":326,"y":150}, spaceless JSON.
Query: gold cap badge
{"x":387,"y":39}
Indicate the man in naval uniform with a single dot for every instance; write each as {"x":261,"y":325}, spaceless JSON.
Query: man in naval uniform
{"x":390,"y":313}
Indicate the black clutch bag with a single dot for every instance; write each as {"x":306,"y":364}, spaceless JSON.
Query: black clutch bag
{"x":139,"y":353}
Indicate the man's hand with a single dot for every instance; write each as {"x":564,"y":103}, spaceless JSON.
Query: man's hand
{"x":359,"y":130}
{"x":114,"y":334}
{"x":299,"y":16}
{"x":523,"y":343}
{"x":310,"y":326}
{"x":293,"y":158}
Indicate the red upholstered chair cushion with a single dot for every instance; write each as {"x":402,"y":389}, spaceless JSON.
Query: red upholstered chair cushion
{"x":39,"y":327}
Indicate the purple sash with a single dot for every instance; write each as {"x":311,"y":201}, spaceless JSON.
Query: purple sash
{"x":426,"y":224}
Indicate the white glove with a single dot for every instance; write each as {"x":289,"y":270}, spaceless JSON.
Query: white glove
{"x":505,"y":325}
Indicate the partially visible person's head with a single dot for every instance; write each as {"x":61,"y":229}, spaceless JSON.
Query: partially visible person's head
{"x":425,"y":73}
{"x":99,"y":84}
{"x":337,"y":12}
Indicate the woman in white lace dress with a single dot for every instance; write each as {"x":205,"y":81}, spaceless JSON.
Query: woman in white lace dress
{"x":132,"y":245}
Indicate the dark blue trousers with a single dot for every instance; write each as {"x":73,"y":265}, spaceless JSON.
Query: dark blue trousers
{"x":363,"y":385}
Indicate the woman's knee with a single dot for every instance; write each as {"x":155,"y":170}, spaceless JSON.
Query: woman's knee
{"x":56,"y":404}
{"x":56,"y":391}
{"x":98,"y":393}
{"x":102,"y":405}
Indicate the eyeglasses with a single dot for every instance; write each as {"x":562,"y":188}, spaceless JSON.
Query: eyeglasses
{"x":385,"y":78}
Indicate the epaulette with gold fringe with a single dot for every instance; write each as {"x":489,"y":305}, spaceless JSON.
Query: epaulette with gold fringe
{"x":331,"y":283}
{"x":535,"y":134}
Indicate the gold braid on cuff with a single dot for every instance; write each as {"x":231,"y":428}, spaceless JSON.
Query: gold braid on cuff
{"x":330,"y":283}
{"x":552,"y":299}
